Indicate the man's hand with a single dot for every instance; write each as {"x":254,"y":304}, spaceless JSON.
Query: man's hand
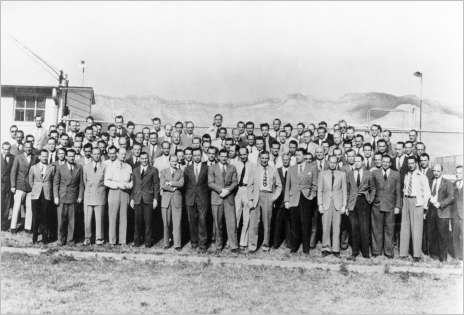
{"x":79,"y":200}
{"x":168,"y":183}
{"x":13,"y":190}
{"x":343,"y":209}
{"x":132,"y":203}
{"x":222,"y":195}
{"x":155,"y":203}
{"x":321,"y":209}
{"x":437,"y":205}
{"x":224,"y":191}
{"x":57,"y":201}
{"x":397,"y":210}
{"x":287,"y":205}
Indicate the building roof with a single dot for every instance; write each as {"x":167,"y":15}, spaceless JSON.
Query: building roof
{"x":8,"y":90}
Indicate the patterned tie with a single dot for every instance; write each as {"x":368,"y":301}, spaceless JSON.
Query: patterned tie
{"x":434,"y":189}
{"x":42,"y":171}
{"x":265,"y":177}
{"x":320,"y":165}
{"x":358,"y":180}
{"x":173,"y":172}
{"x":410,"y":184}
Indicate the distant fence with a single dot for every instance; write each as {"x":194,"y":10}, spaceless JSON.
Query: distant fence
{"x":444,"y":147}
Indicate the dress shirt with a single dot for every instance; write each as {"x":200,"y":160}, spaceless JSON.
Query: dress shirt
{"x":71,"y":168}
{"x":274,"y":133}
{"x":358,"y":150}
{"x":239,"y":166}
{"x":28,"y":157}
{"x":196,"y":168}
{"x":383,"y":172}
{"x":117,"y":173}
{"x":135,"y":159}
{"x":360,"y":171}
{"x":39,"y":132}
{"x":113,"y":141}
{"x":275,"y":161}
{"x":284,"y":170}
{"x":268,"y":179}
{"x":143,"y":169}
{"x":43,"y":169}
{"x":292,"y":160}
{"x":320,"y":164}
{"x":88,"y":160}
{"x":96,"y":165}
{"x":108,"y":162}
{"x":160,"y":133}
{"x":420,"y":188}
{"x":51,"y":157}
{"x":209,"y":163}
{"x":310,"y":147}
{"x":436,"y":182}
{"x":61,"y":162}
{"x":424,"y":171}
{"x":168,"y":139}
{"x":399,"y":162}
{"x":223,"y":167}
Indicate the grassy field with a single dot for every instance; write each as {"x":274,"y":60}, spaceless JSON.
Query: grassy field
{"x":51,"y":284}
{"x":282,"y":253}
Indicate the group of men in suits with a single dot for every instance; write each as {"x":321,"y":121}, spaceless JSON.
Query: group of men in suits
{"x":370,"y":194}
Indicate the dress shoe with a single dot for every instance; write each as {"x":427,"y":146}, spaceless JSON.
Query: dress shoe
{"x":325,"y":253}
{"x":136,"y":245}
{"x":352,"y":258}
{"x":194,"y":246}
{"x":112,"y":245}
{"x":292,"y":251}
{"x":374,"y":255}
{"x":367,"y":257}
{"x":235,"y":250}
{"x":178,"y":248}
{"x":13,"y":231}
{"x":313,"y":247}
{"x":443,"y":260}
{"x":403,"y":257}
{"x":243,"y":247}
{"x":202,"y":249}
{"x":251,"y":251}
{"x":417,"y":259}
{"x":165,"y":247}
{"x":99,"y":242}
{"x":86,"y":242}
{"x":265,"y":248}
{"x":336,"y":254}
{"x":28,"y":231}
{"x":389,"y":256}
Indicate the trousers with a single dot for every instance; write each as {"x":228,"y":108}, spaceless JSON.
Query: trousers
{"x":66,"y":219}
{"x":412,"y":221}
{"x":40,"y":217}
{"x":438,"y":231}
{"x":242,"y":210}
{"x":99,"y":228}
{"x":383,"y":231}
{"x":143,"y":214}
{"x":220,"y":212}
{"x":6,"y":206}
{"x":300,"y":225}
{"x":281,"y":226}
{"x":360,"y":219}
{"x":22,"y":198}
{"x":331,"y":221}
{"x":263,"y":211}
{"x":197,"y":223}
{"x":118,"y":201}
{"x":456,"y":225}
{"x":172,"y":217}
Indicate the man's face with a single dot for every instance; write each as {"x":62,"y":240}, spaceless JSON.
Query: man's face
{"x":54,"y":135}
{"x":265,"y":131}
{"x":275,"y":150}
{"x":206,"y":146}
{"x":333,"y":163}
{"x":102,"y":147}
{"x":96,"y":155}
{"x":176,"y":138}
{"x":236,"y":135}
{"x":173,"y":161}
{"x":250,"y":129}
{"x":180,"y":157}
{"x":19,"y":137}
{"x":378,"y":160}
{"x":338,"y":154}
{"x":179,"y":128}
{"x":144,"y":160}
{"x":350,"y":158}
{"x":320,"y":153}
{"x":307,"y":137}
{"x":286,"y":161}
{"x":6,"y":149}
{"x":88,"y":152}
{"x":408,"y":148}
{"x":412,"y":165}
{"x":60,"y":155}
{"x":105,"y":138}
{"x":73,"y":126}
{"x":232,"y":152}
{"x":99,"y":130}
{"x":31,"y":139}
{"x":223,"y":157}
{"x":64,"y":141}
{"x":89,"y":122}
{"x":358,"y":163}
{"x":399,"y":150}
{"x":122,"y":142}
{"x":211,"y":154}
{"x":382,"y":147}
{"x":347,"y":146}
{"x":122,"y":155}
{"x":243,"y":155}
{"x":260,"y":145}
{"x":251,"y":140}
{"x":166,"y":148}
{"x":218,"y":121}
{"x":343,"y":127}
{"x":188,"y":155}
{"x":78,"y":126}
{"x":222,"y":134}
{"x":374,"y":131}
{"x":300,"y":129}
{"x":157,"y":125}
{"x":386,"y":162}
{"x":412,"y":136}
{"x":228,"y":144}
{"x":168,"y":130}
{"x":153,"y":139}
{"x":386,"y":136}
{"x":112,"y":154}
{"x":13,"y":132}
{"x":459,"y":174}
{"x":118,"y":122}
{"x":276,"y":125}
{"x":424,"y":161}
{"x":89,"y":135}
{"x":60,"y":129}
{"x":326,"y":148}
{"x":282,"y":137}
{"x":264,"y":159}
{"x":350,"y":134}
{"x":299,"y":157}
{"x":95,"y":131}
{"x":312,"y":128}
{"x":139,"y":137}
{"x":337,"y":138}
{"x":292,"y":149}
{"x":196,"y":143}
{"x":197,"y":156}
{"x":77,"y":147}
{"x":288,"y":130}
{"x":146,"y":133}
{"x":241,"y":128}
{"x":420,"y":148}
{"x":358,"y":142}
{"x":38,"y":121}
{"x":130,"y":130}
{"x":71,"y":157}
{"x":437,"y":171}
{"x":44,"y":157}
{"x":190,"y":128}
{"x":136,"y":150}
{"x":367,"y":152}
{"x":112,"y":132}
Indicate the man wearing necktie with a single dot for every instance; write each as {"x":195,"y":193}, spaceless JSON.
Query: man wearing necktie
{"x":51,"y":147}
{"x":222,"y":180}
{"x":220,"y":141}
{"x":171,"y":182}
{"x":456,"y":214}
{"x":300,"y":190}
{"x":18,"y":146}
{"x":144,"y":199}
{"x":7,"y":164}
{"x":41,"y":181}
{"x":439,"y":214}
{"x":94,"y":197}
{"x":197,"y":199}
{"x":415,"y":203}
{"x":308,"y":143}
{"x":120,"y":130}
{"x":281,"y":215}
{"x":375,"y":130}
{"x":176,"y":145}
{"x":332,"y":199}
{"x":361,"y":193}
{"x":68,"y":191}
{"x":20,"y":186}
{"x":345,"y":220}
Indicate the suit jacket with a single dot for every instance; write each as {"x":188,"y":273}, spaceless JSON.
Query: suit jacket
{"x":158,"y":152}
{"x":305,"y":183}
{"x":40,"y":184}
{"x":68,"y":188}
{"x":123,"y":132}
{"x":146,"y":187}
{"x":95,"y":189}
{"x":429,"y":174}
{"x":371,"y":163}
{"x":300,"y":141}
{"x":241,"y":143}
{"x":130,"y":161}
{"x":186,"y":141}
{"x":347,"y":169}
{"x":445,"y":196}
{"x":329,"y":139}
{"x":19,"y":176}
{"x":81,"y":161}
{"x":196,"y":191}
{"x":456,"y":210}
{"x":271,"y":141}
{"x":325,"y":165}
{"x":218,"y":143}
{"x":14,"y":149}
{"x":169,"y":193}
{"x":216,"y":183}
{"x":254,"y":183}
{"x":387,"y":192}
{"x":326,"y":193}
{"x":6,"y":171}
{"x":42,"y":140}
{"x":367,"y":188}
{"x":179,"y":147}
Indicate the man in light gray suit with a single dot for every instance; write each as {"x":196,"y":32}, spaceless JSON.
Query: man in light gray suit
{"x":264,"y":187}
{"x":41,"y":181}
{"x":94,"y":197}
{"x":332,"y":199}
{"x":186,"y":139}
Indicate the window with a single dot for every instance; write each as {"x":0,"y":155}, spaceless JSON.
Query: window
{"x":28,"y":106}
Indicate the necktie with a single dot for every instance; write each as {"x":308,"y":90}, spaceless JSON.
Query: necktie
{"x":333,"y":179}
{"x":358,"y":180}
{"x":285,"y":177}
{"x":265,"y":177}
{"x":71,"y":169}
{"x":95,"y":168}
{"x":224,"y":173}
{"x":301,"y":170}
{"x":136,"y":159}
{"x":398,"y":164}
{"x":251,"y":149}
{"x":42,"y":171}
{"x":153,"y":152}
{"x":196,"y":172}
{"x":410,"y":185}
{"x":434,"y":189}
{"x":173,"y":172}
{"x":373,"y":145}
{"x":143,"y":172}
{"x":242,"y":175}
{"x":320,"y":165}
{"x":385,"y":175}
{"x":368,"y":166}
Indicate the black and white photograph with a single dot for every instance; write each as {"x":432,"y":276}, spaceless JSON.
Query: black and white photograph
{"x":231,"y":157}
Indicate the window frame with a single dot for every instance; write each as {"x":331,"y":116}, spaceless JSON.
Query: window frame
{"x":25,"y":108}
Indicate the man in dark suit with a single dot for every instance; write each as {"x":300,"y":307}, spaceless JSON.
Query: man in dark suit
{"x":345,"y":228}
{"x":41,"y":181}
{"x":153,"y":148}
{"x":7,"y":164}
{"x":197,"y":199}
{"x":18,"y":146}
{"x":387,"y":203}
{"x":361,"y":193}
{"x":120,"y":130}
{"x":268,"y":140}
{"x":20,"y":187}
{"x":329,"y":137}
{"x":456,"y":214}
{"x":222,"y":180}
{"x":282,"y":219}
{"x":368,"y":156}
{"x":68,"y":191}
{"x":425,"y":169}
{"x":400,"y":164}
{"x":144,"y":198}
{"x":322,"y":136}
{"x":439,"y":213}
{"x":134,"y":159}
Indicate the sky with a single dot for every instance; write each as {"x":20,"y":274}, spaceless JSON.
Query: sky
{"x":240,"y":51}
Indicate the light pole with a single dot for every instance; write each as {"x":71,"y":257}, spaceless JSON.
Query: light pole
{"x":419,"y":75}
{"x":82,"y":65}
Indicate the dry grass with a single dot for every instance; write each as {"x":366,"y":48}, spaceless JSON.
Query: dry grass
{"x":51,"y":284}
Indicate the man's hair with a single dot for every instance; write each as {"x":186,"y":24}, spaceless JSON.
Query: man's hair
{"x":96,"y":148}
{"x":70,"y":151}
{"x":156,"y":119}
{"x":422,"y":143}
{"x":28,"y":136}
{"x":360,"y":136}
{"x":415,"y":131}
{"x":310,"y":132}
{"x":62,"y":124}
{"x":135,"y":144}
{"x":224,"y":151}
{"x":259,"y":138}
{"x":197,"y":149}
{"x":179,"y":123}
{"x":347,"y":142}
{"x":153,"y":133}
{"x":412,"y":157}
{"x":387,"y":156}
{"x":359,"y":155}
{"x":101,"y":141}
{"x":425,"y":155}
{"x":220,"y":115}
{"x":229,"y":139}
{"x":223,"y":128}
{"x":350,"y":128}
{"x":293,"y":142}
{"x":64,"y":134}
{"x":105,"y":134}
{"x":88,"y":128}
{"x":119,"y":117}
{"x":90,"y":117}
{"x":42,"y":151}
{"x":143,"y":153}
{"x":144,"y":128}
{"x":388,"y":131}
{"x":367,"y":144}
{"x":198,"y":138}
{"x":300,"y":124}
{"x":188,"y":149}
{"x":337,"y":149}
{"x":378,"y":153}
{"x":88,"y":145}
{"x":22,"y":132}
{"x":64,"y":150}
{"x":325,"y":141}
{"x":214,"y":148}
{"x":252,"y":135}
{"x":28,"y":142}
{"x":112,"y":148}
{"x":302,"y":150}
{"x":349,"y":151}
{"x":35,"y":117}
{"x":206,"y":136}
{"x":323,"y":123}
{"x":264,"y":152}
{"x":165,"y":142}
{"x":401,"y":143}
{"x":459,"y":167}
{"x":280,"y":122}
{"x":54,"y":140}
{"x":130,"y":123}
{"x":264,"y":125}
{"x":283,"y":131}
{"x":382,"y":140}
{"x":288,"y":125}
{"x":275,"y":142}
{"x":322,"y":128}
{"x":111,"y":126}
{"x":14,"y":126}
{"x":171,"y":156}
{"x":236,"y":146}
{"x":342,"y":121}
{"x":243,"y":148}
{"x":99,"y":124}
{"x":408,"y":142}
{"x":240,"y":122}
{"x":333,"y":156}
